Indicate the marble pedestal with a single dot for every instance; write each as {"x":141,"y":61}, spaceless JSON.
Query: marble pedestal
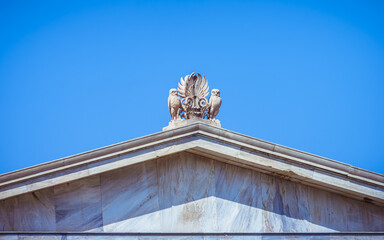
{"x":182,"y":122}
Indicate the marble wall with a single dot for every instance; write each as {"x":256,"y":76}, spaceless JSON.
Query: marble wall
{"x":78,"y":236}
{"x":187,"y":193}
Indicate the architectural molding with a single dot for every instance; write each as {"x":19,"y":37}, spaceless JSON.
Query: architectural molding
{"x":202,"y":139}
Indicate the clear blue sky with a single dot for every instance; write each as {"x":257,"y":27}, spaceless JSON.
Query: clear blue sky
{"x":79,"y":75}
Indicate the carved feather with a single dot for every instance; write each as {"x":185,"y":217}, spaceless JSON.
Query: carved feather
{"x":205,"y":89}
{"x":184,"y":87}
{"x":193,"y":85}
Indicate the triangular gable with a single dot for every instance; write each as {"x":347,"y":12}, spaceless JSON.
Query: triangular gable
{"x":187,"y":193}
{"x":205,"y":140}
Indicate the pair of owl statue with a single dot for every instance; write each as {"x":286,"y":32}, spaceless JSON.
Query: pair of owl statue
{"x":189,"y":100}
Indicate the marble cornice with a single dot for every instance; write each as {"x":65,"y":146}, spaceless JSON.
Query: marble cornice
{"x":203,"y":139}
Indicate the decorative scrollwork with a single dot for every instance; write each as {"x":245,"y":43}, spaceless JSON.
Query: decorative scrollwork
{"x":193,"y":91}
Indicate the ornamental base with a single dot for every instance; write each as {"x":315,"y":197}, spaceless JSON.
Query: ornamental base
{"x":183,"y":122}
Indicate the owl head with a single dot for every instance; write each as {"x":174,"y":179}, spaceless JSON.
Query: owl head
{"x":215,"y":92}
{"x":173,"y":92}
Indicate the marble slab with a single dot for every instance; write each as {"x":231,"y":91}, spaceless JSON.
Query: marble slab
{"x":186,"y":181}
{"x":32,"y":211}
{"x":75,"y":236}
{"x":173,"y":237}
{"x":41,"y":237}
{"x":102,"y":237}
{"x":78,"y":205}
{"x":238,"y":204}
{"x":130,"y":199}
{"x":9,"y":237}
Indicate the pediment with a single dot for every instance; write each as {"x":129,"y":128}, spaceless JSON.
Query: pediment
{"x":187,"y":193}
{"x":208,"y":141}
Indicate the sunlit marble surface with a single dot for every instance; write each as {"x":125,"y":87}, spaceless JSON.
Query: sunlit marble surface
{"x":187,"y":193}
{"x":77,"y":236}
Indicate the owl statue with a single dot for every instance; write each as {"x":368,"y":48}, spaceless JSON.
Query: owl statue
{"x":214,"y":104}
{"x":174,"y":104}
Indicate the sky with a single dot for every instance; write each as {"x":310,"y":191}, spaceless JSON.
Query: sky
{"x":80,"y":75}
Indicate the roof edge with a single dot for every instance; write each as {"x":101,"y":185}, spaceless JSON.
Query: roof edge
{"x":218,"y":134}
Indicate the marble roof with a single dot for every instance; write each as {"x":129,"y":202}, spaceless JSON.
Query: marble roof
{"x":209,"y":141}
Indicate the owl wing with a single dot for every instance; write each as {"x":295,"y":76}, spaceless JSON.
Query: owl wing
{"x":170,"y":104}
{"x":210,"y":102}
{"x":214,"y":103}
{"x":218,"y":102}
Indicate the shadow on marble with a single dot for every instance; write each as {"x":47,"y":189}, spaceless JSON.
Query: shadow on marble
{"x":185,"y":192}
{"x":189,"y":193}
{"x":78,"y":205}
{"x":28,"y":211}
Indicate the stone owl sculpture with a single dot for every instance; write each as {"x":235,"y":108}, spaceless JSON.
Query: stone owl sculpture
{"x":174,"y":104}
{"x":214,"y":104}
